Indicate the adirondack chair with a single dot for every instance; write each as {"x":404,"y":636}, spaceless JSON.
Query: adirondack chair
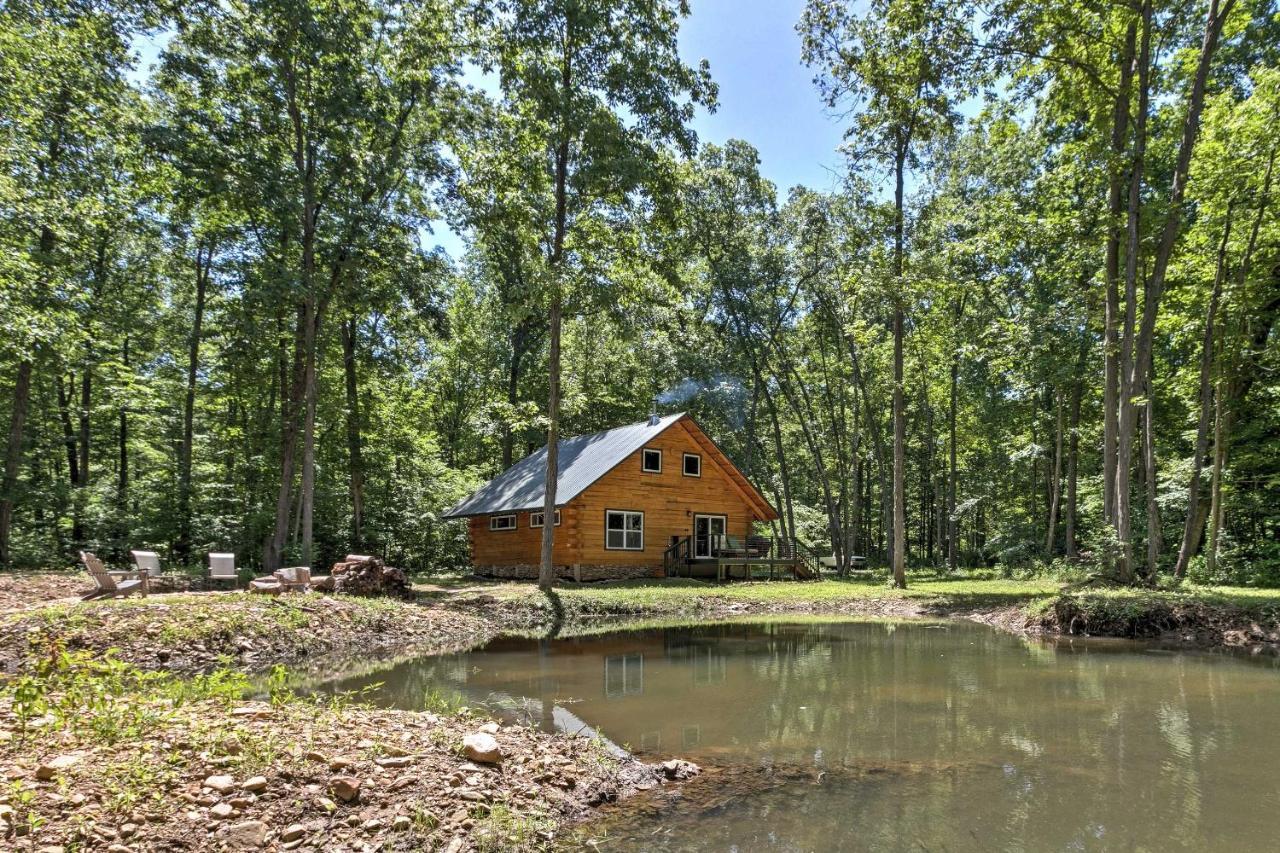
{"x":111,"y":584}
{"x":222,"y":567}
{"x":147,"y":561}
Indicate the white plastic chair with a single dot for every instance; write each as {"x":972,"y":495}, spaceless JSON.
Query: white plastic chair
{"x":222,"y":567}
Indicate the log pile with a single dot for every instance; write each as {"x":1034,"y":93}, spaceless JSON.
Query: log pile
{"x":367,"y":576}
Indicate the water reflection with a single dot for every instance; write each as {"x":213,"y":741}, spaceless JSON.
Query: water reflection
{"x":852,"y":736}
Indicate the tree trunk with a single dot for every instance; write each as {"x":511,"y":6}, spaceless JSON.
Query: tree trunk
{"x":1129,"y":375}
{"x":546,"y":568}
{"x":182,"y":548}
{"x":899,"y":405}
{"x":122,"y":480}
{"x":308,"y":494}
{"x":1141,"y":351}
{"x":1111,"y":321}
{"x":1154,"y":539}
{"x":1215,"y":479}
{"x":13,"y":455}
{"x":1055,"y":482}
{"x":354,"y":461}
{"x":952,"y":549}
{"x":1191,"y":529}
{"x":290,"y":404}
{"x":1073,"y":463}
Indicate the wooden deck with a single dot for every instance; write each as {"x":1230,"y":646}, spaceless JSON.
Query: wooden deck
{"x":781,"y":558}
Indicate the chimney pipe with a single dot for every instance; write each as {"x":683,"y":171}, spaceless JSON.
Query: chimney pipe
{"x":653,"y":412}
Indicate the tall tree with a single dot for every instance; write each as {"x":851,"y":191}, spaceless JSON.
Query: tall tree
{"x":900,"y":65}
{"x":595,"y":88}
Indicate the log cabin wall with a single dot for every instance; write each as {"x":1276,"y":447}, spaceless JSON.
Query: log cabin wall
{"x":523,"y":546}
{"x":668,"y":500}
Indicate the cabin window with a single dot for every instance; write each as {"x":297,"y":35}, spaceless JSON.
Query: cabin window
{"x":624,"y":530}
{"x":535,"y":519}
{"x":692,"y":465}
{"x":502,"y":522}
{"x":651,"y":460}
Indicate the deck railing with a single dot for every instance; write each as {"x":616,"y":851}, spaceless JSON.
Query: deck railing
{"x":737,"y":550}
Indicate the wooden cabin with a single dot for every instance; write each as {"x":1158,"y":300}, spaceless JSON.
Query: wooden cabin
{"x":652,"y":499}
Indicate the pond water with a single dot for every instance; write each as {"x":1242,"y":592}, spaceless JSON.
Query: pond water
{"x":897,"y":736}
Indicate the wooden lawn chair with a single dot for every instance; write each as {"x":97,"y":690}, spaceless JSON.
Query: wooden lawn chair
{"x":111,"y":584}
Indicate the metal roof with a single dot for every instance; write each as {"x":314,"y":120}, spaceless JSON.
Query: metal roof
{"x":582,"y":461}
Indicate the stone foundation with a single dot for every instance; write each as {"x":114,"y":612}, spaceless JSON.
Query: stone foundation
{"x":578,"y":573}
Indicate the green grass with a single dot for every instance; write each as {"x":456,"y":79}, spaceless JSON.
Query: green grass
{"x":677,"y":596}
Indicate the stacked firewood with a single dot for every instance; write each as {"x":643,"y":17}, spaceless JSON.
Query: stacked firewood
{"x":369,"y":576}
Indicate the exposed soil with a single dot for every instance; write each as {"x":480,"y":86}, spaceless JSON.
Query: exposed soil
{"x":1189,"y":622}
{"x":297,"y":776}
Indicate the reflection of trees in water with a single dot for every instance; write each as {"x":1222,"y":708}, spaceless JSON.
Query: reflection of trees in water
{"x":1078,"y":747}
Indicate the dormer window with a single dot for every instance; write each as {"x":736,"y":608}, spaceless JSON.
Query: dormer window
{"x":651,"y":460}
{"x":692,"y":465}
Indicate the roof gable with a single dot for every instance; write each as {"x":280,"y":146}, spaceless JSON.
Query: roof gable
{"x":584,"y":460}
{"x":581,"y":461}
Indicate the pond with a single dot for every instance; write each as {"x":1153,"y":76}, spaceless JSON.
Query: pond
{"x":896,"y":736}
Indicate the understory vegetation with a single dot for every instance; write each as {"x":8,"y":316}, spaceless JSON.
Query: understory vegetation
{"x":1034,"y":321}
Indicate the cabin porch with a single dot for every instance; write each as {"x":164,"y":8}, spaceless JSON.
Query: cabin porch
{"x":725,"y":557}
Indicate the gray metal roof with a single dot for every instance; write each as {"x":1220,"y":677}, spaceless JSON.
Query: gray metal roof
{"x":582,"y":461}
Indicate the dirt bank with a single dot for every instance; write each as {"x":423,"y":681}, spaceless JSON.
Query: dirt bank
{"x":198,"y":632}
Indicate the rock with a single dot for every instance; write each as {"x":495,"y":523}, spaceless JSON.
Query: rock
{"x":312,"y":755}
{"x":326,"y":804}
{"x":340,"y":763}
{"x":371,"y":825}
{"x":345,"y":788}
{"x":401,"y":823}
{"x":489,"y":728}
{"x":221,"y":811}
{"x":395,"y":761}
{"x":247,"y":835}
{"x":54,"y":766}
{"x":221,"y":784}
{"x":678,"y":769}
{"x":293,"y":832}
{"x":255,"y":784}
{"x":128,"y":830}
{"x":481,"y":747}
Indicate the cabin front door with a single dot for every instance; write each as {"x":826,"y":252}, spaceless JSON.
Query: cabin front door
{"x":708,"y":533}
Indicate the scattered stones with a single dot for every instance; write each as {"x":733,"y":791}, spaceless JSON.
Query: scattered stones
{"x":54,"y":766}
{"x":395,"y":761}
{"x":482,"y":747}
{"x":677,"y":769}
{"x":221,"y":811}
{"x":248,"y":835}
{"x":293,"y":832}
{"x":345,"y":788}
{"x":254,"y":784}
{"x":221,"y":784}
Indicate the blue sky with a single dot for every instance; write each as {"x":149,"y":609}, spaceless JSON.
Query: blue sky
{"x":767,"y":96}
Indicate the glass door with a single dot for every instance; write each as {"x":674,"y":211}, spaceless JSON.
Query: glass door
{"x":708,"y":533}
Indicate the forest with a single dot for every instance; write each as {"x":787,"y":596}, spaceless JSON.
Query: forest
{"x":1034,"y":326}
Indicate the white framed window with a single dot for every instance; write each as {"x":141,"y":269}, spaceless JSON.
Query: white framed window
{"x":651,"y":460}
{"x":623,"y":530}
{"x":502,"y":522}
{"x":692,"y":465}
{"x":535,"y":519}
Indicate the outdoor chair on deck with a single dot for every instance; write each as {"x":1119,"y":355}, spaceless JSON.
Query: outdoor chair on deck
{"x":222,"y":567}
{"x":111,"y":584}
